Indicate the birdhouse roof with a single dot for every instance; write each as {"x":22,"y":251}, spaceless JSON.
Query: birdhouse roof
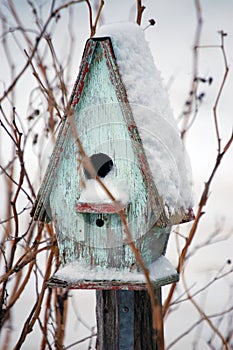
{"x":150,"y":123}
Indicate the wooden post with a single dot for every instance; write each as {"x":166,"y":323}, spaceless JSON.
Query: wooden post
{"x":124,"y":320}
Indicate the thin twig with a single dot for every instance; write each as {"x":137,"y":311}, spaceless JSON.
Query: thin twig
{"x":203,"y":315}
{"x":50,"y":97}
{"x":220,"y":91}
{"x":80,"y":341}
{"x":202,"y":203}
{"x":140,"y":9}
{"x":34,"y":314}
{"x":219,"y":157}
{"x":35,"y":48}
{"x":91,"y":24}
{"x":194,"y":82}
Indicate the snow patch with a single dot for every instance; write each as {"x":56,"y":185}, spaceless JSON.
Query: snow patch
{"x":94,"y":193}
{"x":77,"y":271}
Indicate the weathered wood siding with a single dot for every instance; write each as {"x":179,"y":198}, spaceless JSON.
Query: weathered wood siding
{"x":102,"y":128}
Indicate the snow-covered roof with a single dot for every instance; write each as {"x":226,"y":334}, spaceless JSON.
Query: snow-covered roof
{"x":154,"y":118}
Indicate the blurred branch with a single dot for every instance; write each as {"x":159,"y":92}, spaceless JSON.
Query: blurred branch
{"x":198,"y":79}
{"x":19,"y":23}
{"x":214,"y":237}
{"x":93,"y":24}
{"x":12,"y":217}
{"x":34,"y":49}
{"x":220,"y":154}
{"x":202,"y":203}
{"x":44,"y":326}
{"x":25,"y":259}
{"x":216,"y":278}
{"x":5,"y":128}
{"x":17,"y":184}
{"x":195,"y":324}
{"x":140,"y":9}
{"x":223,"y":34}
{"x":80,"y":341}
{"x":48,"y":92}
{"x":194,"y":82}
{"x":35,"y":312}
{"x":203,"y":315}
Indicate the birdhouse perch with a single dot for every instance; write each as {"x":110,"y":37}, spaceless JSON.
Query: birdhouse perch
{"x":136,"y":151}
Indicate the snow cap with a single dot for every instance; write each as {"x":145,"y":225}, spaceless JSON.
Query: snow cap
{"x":151,"y":109}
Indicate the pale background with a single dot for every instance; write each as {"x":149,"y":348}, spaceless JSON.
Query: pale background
{"x":171,"y":41}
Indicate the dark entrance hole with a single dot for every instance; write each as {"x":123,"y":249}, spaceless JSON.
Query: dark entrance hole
{"x":99,"y":222}
{"x":102,"y":164}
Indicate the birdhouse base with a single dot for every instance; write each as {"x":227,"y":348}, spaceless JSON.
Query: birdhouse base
{"x":77,"y":276}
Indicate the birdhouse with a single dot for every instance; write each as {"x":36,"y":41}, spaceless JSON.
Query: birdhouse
{"x":135,"y":150}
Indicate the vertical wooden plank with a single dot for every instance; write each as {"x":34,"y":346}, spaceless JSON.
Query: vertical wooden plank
{"x":143,"y":330}
{"x":115,"y":322}
{"x":126,"y":319}
{"x":107,"y":320}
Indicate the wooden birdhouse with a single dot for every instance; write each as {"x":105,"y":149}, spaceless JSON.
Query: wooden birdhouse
{"x":93,"y":247}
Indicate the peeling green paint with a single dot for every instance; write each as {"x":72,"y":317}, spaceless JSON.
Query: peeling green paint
{"x":101,"y":127}
{"x":105,"y":124}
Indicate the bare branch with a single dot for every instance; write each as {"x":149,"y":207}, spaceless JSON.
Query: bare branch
{"x":91,"y":24}
{"x":37,"y":307}
{"x":220,"y":155}
{"x":220,"y":90}
{"x":140,"y":9}
{"x":35,"y":48}
{"x":203,"y":315}
{"x":194,"y":82}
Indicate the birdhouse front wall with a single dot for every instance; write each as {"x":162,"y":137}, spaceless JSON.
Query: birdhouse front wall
{"x":100,"y":120}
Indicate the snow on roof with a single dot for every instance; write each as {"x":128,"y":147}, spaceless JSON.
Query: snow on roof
{"x":152,"y":113}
